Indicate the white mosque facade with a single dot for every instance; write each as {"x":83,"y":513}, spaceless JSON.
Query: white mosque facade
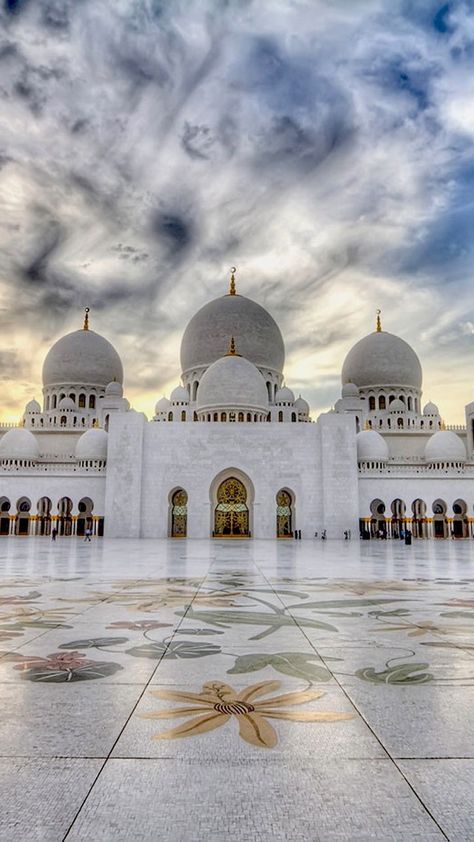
{"x":233,"y":453}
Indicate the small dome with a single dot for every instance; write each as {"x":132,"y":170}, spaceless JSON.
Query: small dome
{"x":82,"y":357}
{"x":301,"y":405}
{"x":445,"y":446}
{"x":66,"y":403}
{"x":382,"y":359}
{"x":179,"y":395}
{"x":207,"y":335}
{"x":114,"y":389}
{"x":92,"y":445}
{"x":232,"y":382}
{"x":350,"y":390}
{"x":431,"y":409}
{"x":33,"y":406}
{"x":397,"y":406}
{"x":162,"y":405}
{"x":284,"y":395}
{"x":371,"y":447}
{"x":19,"y":443}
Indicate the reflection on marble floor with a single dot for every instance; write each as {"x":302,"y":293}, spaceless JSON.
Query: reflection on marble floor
{"x":321,"y":652}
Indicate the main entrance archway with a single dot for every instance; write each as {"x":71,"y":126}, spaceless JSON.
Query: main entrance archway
{"x":231,"y":514}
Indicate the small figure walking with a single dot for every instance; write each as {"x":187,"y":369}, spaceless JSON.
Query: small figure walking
{"x":54,"y":534}
{"x":88,"y":534}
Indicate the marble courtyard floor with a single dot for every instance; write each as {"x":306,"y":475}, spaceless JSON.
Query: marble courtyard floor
{"x":199,"y":690}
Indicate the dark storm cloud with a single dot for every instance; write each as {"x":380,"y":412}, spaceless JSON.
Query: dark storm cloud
{"x":326,"y":149}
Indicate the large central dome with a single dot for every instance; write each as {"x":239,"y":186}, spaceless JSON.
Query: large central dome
{"x":382,"y":359}
{"x":256,"y":333}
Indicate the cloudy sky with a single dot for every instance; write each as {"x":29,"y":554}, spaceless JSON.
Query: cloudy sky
{"x":325,"y":147}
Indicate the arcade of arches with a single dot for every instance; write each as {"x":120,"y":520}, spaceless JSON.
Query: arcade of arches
{"x":20,"y":518}
{"x":440,"y":521}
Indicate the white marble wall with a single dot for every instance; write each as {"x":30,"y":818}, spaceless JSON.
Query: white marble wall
{"x":148,"y":461}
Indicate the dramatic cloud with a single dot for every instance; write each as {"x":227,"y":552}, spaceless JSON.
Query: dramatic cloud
{"x":326,"y":149}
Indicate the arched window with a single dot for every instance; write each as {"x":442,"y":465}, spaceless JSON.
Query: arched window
{"x":269,"y":390}
{"x":64,"y":516}
{"x":400,"y":422}
{"x":170,"y":416}
{"x":293,"y":416}
{"x":73,"y":397}
{"x":419,"y":525}
{"x":82,"y":401}
{"x":280,"y":415}
{"x":61,"y":396}
{"x":440,"y":521}
{"x":284,"y":514}
{"x":63,"y":421}
{"x":402,"y":398}
{"x":22,"y":520}
{"x":371,"y":403}
{"x":391,"y":399}
{"x":54,"y":402}
{"x":249,"y":416}
{"x":460,"y":521}
{"x":183,"y":415}
{"x":241,"y":416}
{"x":179,"y":514}
{"x":216,"y":416}
{"x":5,"y":506}
{"x":223,"y":416}
{"x":409,"y":404}
{"x":382,"y":404}
{"x":47,"y":403}
{"x":378,"y":522}
{"x":85,"y":520}
{"x":91,"y":401}
{"x":195,"y":389}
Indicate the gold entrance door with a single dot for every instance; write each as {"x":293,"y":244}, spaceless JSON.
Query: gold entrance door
{"x":231,"y":516}
{"x":179,"y":514}
{"x":284,"y":515}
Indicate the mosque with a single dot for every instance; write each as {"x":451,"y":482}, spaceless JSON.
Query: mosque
{"x":232,"y":453}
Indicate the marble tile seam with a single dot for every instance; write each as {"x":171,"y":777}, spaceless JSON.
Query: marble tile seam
{"x":134,"y":708}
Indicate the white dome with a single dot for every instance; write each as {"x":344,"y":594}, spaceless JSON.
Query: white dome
{"x":284,"y":395}
{"x":233,"y":382}
{"x":92,"y":445}
{"x":19,"y":443}
{"x":258,"y":337}
{"x":445,"y":446}
{"x":397,"y":406}
{"x":430,"y":409}
{"x":350,"y":390}
{"x":301,"y":405}
{"x":33,"y":406}
{"x":66,"y":403}
{"x":382,"y":359}
{"x":114,"y":389}
{"x":179,"y":395}
{"x":371,"y":447}
{"x":162,"y":405}
{"x":82,"y":357}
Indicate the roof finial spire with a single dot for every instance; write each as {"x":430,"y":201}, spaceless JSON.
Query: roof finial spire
{"x":232,"y":291}
{"x":379,"y":323}
{"x":86,"y":318}
{"x":232,"y":352}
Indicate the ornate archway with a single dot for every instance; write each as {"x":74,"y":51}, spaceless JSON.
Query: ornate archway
{"x":284,"y":514}
{"x":179,"y":514}
{"x":231,"y":514}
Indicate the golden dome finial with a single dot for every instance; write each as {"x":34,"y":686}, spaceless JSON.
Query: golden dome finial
{"x":379,"y":323}
{"x":232,"y":352}
{"x":86,"y":318}
{"x":232,"y":290}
